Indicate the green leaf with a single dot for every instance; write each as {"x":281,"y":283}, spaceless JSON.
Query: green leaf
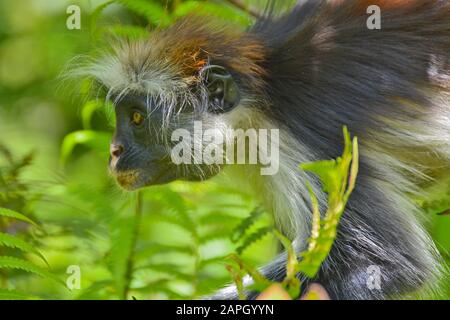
{"x":238,"y":281}
{"x":128,"y":31}
{"x":110,"y":115}
{"x":223,"y":12}
{"x":98,"y":11}
{"x":122,"y":239}
{"x":96,"y":140}
{"x":88,"y":111}
{"x":242,"y":228}
{"x":291,"y":283}
{"x":154,"y":12}
{"x":7,"y":262}
{"x":338,"y":178}
{"x":254,"y":237}
{"x":10,"y":241}
{"x":173,"y":270}
{"x":15,"y":295}
{"x":260,"y":282}
{"x":4,"y":212}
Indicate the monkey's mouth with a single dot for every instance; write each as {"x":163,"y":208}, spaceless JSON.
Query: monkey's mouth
{"x":127,"y":179}
{"x":131,"y":180}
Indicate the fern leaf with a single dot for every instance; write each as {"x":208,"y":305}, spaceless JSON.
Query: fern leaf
{"x":4,"y":212}
{"x":254,"y":237}
{"x":10,"y":241}
{"x":130,"y":32}
{"x":338,"y":178}
{"x":242,"y":228}
{"x":7,"y":262}
{"x":15,"y":295}
{"x":260,"y":282}
{"x":154,"y":248}
{"x":98,"y":11}
{"x":216,"y":260}
{"x":172,"y":270}
{"x":223,"y":12}
{"x":98,"y":141}
{"x":154,"y":12}
{"x":88,"y":111}
{"x":122,"y":249}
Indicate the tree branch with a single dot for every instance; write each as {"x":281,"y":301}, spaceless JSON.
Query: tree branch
{"x":240,"y":5}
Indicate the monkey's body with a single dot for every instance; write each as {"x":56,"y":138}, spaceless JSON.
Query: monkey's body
{"x":308,"y":74}
{"x":331,"y":70}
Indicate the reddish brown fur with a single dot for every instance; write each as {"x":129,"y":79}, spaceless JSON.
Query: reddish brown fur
{"x":195,"y":41}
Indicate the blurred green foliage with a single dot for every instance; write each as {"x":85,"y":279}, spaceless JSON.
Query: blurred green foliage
{"x":166,"y":242}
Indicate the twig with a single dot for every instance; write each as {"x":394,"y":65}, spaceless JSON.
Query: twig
{"x":240,"y":5}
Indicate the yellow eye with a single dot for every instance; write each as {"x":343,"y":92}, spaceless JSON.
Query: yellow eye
{"x":137,"y":119}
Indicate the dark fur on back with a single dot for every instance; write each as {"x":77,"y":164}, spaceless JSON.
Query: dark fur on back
{"x":326,"y":69}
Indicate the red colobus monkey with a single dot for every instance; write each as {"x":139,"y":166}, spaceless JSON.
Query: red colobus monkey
{"x":306,"y":73}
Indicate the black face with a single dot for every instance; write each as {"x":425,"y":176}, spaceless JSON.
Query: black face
{"x":137,"y":158}
{"x":138,"y":155}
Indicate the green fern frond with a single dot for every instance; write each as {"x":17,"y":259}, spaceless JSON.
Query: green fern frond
{"x":172,"y":270}
{"x":154,"y":248}
{"x":98,"y":141}
{"x":153,"y":12}
{"x":223,"y":12}
{"x":87,"y":111}
{"x":338,"y":178}
{"x":254,"y":237}
{"x":122,"y":237}
{"x":219,"y":219}
{"x":7,"y":213}
{"x":217,"y":260}
{"x":160,"y":286}
{"x":130,"y":32}
{"x":7,"y":262}
{"x":242,"y":228}
{"x":10,"y":241}
{"x":15,"y":295}
{"x":98,"y":11}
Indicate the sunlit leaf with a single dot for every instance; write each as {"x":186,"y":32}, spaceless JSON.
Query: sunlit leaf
{"x":242,"y":228}
{"x":338,"y":178}
{"x":127,"y":31}
{"x":122,"y":239}
{"x":253,"y":238}
{"x":7,"y":262}
{"x":8,"y":213}
{"x":10,"y":241}
{"x":88,"y":111}
{"x":15,"y":295}
{"x":221,"y":11}
{"x":153,"y":11}
{"x":96,"y":140}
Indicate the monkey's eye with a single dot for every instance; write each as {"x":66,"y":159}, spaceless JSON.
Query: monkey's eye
{"x":137,"y":119}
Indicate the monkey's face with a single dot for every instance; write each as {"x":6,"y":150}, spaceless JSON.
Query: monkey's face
{"x":154,"y":127}
{"x":190,"y":77}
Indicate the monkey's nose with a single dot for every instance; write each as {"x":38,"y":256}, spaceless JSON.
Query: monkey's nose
{"x":116,"y":150}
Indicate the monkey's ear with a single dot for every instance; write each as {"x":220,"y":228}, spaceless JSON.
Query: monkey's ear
{"x":223,"y":91}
